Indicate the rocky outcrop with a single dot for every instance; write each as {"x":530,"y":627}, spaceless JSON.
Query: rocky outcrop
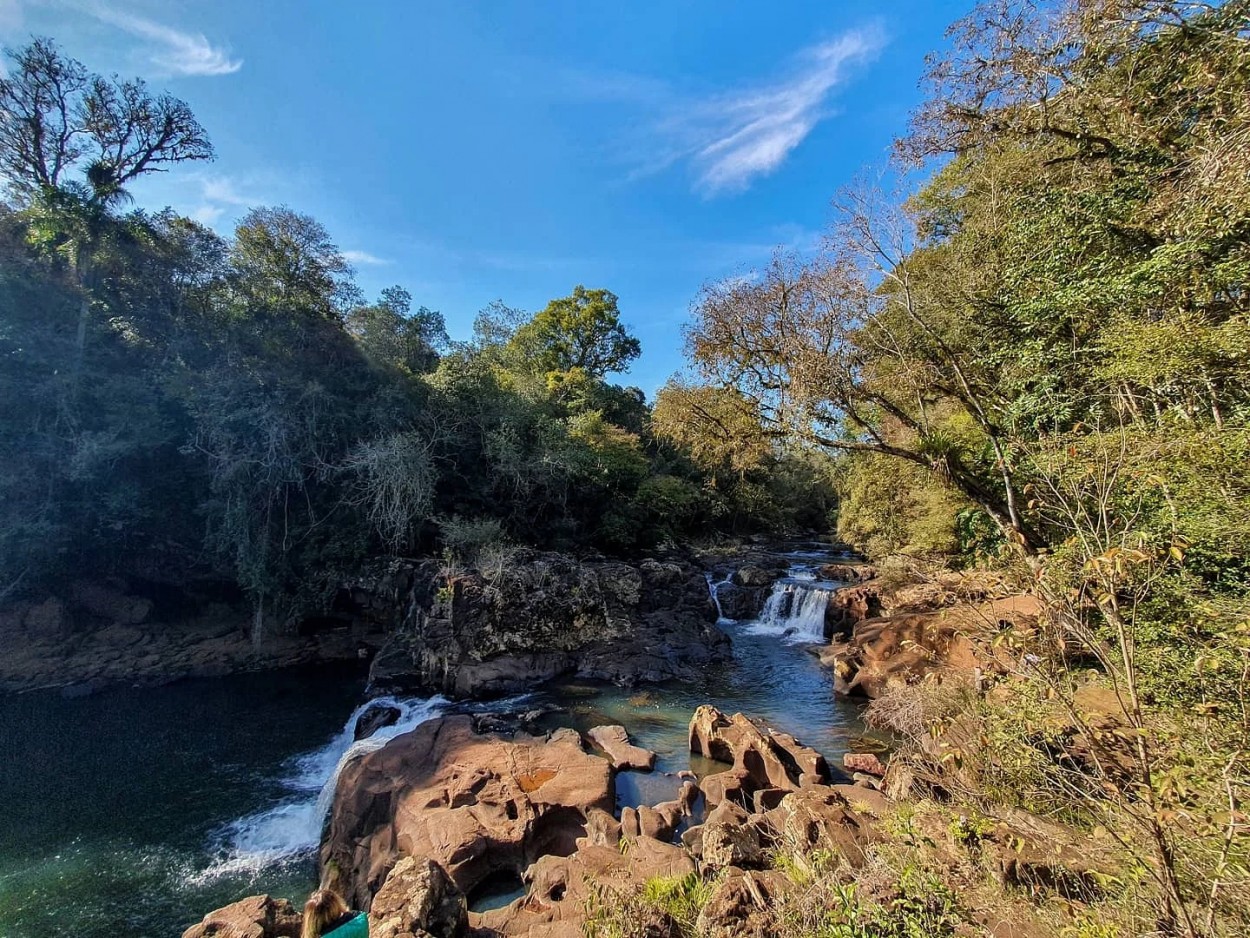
{"x":376,"y":716}
{"x":253,"y":917}
{"x":418,"y":898}
{"x":53,"y":644}
{"x":546,"y":615}
{"x":762,"y":761}
{"x":895,"y":650}
{"x":476,"y":805}
{"x":623,"y":754}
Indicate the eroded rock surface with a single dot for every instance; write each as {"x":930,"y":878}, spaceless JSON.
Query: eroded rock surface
{"x":548,"y":614}
{"x":253,"y":917}
{"x":893,"y":650}
{"x":474,"y":804}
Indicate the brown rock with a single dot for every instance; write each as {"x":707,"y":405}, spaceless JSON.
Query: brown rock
{"x":866,"y":762}
{"x":624,"y":755}
{"x":759,"y":759}
{"x":253,"y":917}
{"x":821,"y":817}
{"x":473,"y":804}
{"x":661,"y":821}
{"x":898,"y":649}
{"x":729,"y":844}
{"x":418,"y":898}
{"x":738,"y":907}
{"x":561,"y":887}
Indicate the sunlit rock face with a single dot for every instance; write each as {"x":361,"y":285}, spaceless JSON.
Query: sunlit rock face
{"x":475,"y":805}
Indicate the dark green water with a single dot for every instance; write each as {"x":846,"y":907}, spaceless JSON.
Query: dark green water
{"x":114,"y":805}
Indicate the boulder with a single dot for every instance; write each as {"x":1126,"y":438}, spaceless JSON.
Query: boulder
{"x":253,"y":917}
{"x":476,"y":805}
{"x":866,"y":762}
{"x":623,"y":754}
{"x":562,"y":888}
{"x":757,"y":577}
{"x":418,"y":898}
{"x":373,"y":718}
{"x":738,"y":908}
{"x":760,"y":760}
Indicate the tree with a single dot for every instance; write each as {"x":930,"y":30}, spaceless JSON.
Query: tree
{"x":285,"y":260}
{"x":580,"y":331}
{"x":391,"y":333}
{"x":56,"y":117}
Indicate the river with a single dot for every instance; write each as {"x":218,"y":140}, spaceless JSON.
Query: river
{"x":135,"y":811}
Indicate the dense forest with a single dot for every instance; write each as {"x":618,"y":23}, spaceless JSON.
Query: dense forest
{"x":181,"y":404}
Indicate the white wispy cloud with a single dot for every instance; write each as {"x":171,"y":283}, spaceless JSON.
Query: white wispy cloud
{"x":220,"y":196}
{"x":365,"y":258}
{"x":730,"y":139}
{"x":176,"y":51}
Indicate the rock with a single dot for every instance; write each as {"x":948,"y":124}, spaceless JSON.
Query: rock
{"x":561,"y":887}
{"x":475,"y":805}
{"x":848,"y":572}
{"x":661,"y":821}
{"x":418,"y":898}
{"x":631,"y":824}
{"x":897,"y":650}
{"x":757,"y":577}
{"x":253,"y":917}
{"x":688,"y":797}
{"x":375,"y":717}
{"x":546,"y":615}
{"x":624,"y":755}
{"x":110,"y":602}
{"x":820,"y":817}
{"x":730,"y":844}
{"x":866,"y":780}
{"x":759,"y":759}
{"x":866,"y":762}
{"x":741,"y":602}
{"x":738,"y":907}
{"x":602,"y":829}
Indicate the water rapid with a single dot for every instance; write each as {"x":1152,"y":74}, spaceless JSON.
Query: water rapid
{"x":292,"y":827}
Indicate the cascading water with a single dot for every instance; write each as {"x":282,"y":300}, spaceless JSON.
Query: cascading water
{"x":796,"y":608}
{"x":292,"y":828}
{"x":713,"y":587}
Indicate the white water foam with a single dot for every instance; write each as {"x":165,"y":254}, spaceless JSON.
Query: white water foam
{"x":291,"y":829}
{"x":713,"y":587}
{"x":795,"y":610}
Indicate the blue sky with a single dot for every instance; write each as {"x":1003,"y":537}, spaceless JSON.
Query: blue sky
{"x":510,"y":150}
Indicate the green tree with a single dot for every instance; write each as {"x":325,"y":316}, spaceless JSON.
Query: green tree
{"x":582,"y":331}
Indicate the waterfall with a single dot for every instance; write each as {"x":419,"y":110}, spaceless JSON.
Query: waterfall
{"x":713,"y":587}
{"x":291,"y":828}
{"x":796,"y":608}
